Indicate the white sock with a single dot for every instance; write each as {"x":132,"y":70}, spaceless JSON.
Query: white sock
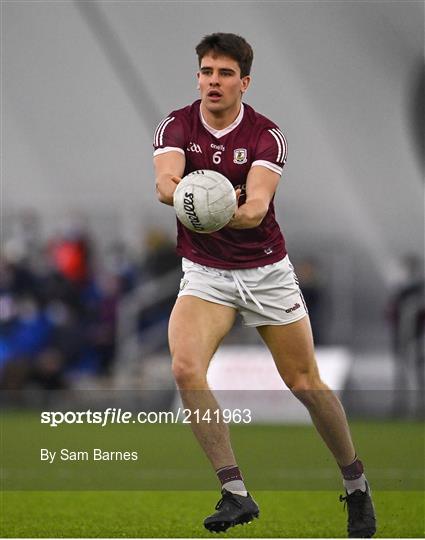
{"x":353,"y":485}
{"x":237,"y":487}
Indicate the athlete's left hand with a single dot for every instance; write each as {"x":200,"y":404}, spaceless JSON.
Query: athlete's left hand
{"x":249,"y":215}
{"x":260,"y":188}
{"x":233,"y":219}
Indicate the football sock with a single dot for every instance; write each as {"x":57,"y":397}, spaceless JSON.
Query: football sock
{"x":353,"y":476}
{"x":231,"y":480}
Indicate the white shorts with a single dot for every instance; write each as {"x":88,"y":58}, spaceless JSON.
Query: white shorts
{"x":265,"y":295}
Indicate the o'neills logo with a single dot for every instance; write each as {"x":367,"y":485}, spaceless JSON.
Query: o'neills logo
{"x":189,"y":210}
{"x":293,"y":308}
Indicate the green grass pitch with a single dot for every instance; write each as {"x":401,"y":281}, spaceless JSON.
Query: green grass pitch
{"x":288,"y":469}
{"x":161,"y":514}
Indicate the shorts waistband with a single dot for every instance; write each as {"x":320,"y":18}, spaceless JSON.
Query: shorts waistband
{"x":234,"y":275}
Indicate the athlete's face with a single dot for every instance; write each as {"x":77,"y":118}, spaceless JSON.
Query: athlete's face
{"x":220,"y":83}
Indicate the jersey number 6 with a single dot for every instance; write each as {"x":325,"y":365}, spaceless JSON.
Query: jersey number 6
{"x":217,"y":157}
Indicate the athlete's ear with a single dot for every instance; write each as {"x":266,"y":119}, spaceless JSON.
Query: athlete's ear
{"x":245,"y":83}
{"x":197,"y":76}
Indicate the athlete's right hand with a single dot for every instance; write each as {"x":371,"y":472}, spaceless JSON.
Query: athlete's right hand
{"x":169,"y":169}
{"x":166,"y":185}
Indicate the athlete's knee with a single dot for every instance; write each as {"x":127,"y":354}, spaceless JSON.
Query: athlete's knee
{"x":186,"y":371}
{"x":306,"y":386}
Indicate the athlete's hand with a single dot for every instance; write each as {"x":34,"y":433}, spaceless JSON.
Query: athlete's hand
{"x":249,"y":215}
{"x":169,"y":169}
{"x":166,"y":185}
{"x":234,"y":219}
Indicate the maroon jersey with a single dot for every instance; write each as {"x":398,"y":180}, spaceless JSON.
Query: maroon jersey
{"x":251,"y":140}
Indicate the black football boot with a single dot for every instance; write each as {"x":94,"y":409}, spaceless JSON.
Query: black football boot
{"x":232,"y":510}
{"x":361,"y":514}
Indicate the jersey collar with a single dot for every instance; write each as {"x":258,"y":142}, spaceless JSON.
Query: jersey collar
{"x":218,"y":133}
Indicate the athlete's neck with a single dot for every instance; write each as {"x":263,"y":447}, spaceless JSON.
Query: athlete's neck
{"x":220,"y":119}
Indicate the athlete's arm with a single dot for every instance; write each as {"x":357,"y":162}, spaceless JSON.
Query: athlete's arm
{"x":261,"y":185}
{"x":169,"y":168}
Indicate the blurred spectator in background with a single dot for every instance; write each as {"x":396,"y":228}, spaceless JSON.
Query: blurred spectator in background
{"x":159,"y":254}
{"x":161,"y":273}
{"x":24,"y":333}
{"x":103,"y":322}
{"x":16,"y":274}
{"x":70,"y":251}
{"x":57,"y":311}
{"x":59,"y":300}
{"x":407,"y":319}
{"x":24,"y":241}
{"x":120,"y":263}
{"x":308,"y":273}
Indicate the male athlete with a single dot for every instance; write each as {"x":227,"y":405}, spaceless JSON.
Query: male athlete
{"x":242,"y":268}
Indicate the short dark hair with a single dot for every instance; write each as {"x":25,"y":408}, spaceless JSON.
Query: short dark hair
{"x":231,"y":45}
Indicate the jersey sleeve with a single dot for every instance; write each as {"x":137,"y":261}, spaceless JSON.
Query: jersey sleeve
{"x":271,"y":150}
{"x":169,"y":136}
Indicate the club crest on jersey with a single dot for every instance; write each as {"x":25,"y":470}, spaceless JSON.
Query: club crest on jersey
{"x":240,"y":156}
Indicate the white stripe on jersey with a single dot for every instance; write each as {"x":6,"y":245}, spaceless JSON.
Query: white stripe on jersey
{"x":268,"y":165}
{"x":159,"y":132}
{"x":281,"y":144}
{"x":285,"y":144}
{"x":166,"y":149}
{"x":158,"y":127}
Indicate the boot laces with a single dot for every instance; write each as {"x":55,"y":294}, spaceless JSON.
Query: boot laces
{"x":229,"y":498}
{"x":355,"y":505}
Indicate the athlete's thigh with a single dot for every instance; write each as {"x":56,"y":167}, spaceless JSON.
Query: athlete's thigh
{"x":292,"y":349}
{"x":197,"y":327}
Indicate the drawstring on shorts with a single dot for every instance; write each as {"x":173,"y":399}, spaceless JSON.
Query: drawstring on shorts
{"x":242,"y":286}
